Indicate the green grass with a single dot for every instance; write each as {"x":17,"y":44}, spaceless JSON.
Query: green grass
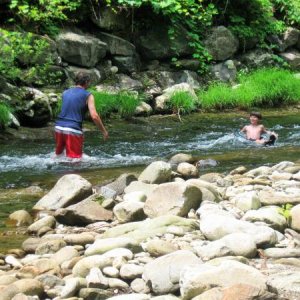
{"x":262,"y":88}
{"x":123,"y":103}
{"x":182,"y":102}
{"x":4,"y":115}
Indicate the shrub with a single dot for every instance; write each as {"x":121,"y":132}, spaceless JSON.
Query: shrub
{"x":127,"y":103}
{"x":4,"y":115}
{"x":182,"y":102}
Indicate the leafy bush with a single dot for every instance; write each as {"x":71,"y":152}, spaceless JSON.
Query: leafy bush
{"x":24,"y":56}
{"x":265,"y":87}
{"x":182,"y":102}
{"x":4,"y":115}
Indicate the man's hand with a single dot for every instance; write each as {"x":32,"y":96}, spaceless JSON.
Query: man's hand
{"x":105,"y":135}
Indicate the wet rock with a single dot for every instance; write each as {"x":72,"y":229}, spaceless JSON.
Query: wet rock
{"x":68,"y":190}
{"x":172,"y":198}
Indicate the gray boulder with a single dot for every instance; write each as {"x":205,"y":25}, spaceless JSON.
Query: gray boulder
{"x":257,"y":58}
{"x":168,"y":267}
{"x":68,"y":190}
{"x":221,"y":43}
{"x":80,"y":50}
{"x":94,"y":73}
{"x":156,"y":172}
{"x":127,"y":64}
{"x":225,"y":71}
{"x":129,"y":211}
{"x":21,"y":218}
{"x":292,"y":58}
{"x":173,"y":198}
{"x":85,"y":212}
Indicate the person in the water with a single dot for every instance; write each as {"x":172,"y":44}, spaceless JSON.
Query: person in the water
{"x":254,"y":130}
{"x":68,"y":126}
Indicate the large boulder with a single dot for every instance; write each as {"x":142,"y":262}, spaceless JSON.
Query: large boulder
{"x":127,"y":64}
{"x":224,"y":71}
{"x":292,"y":58}
{"x":157,"y":44}
{"x":216,"y":226}
{"x":173,"y":198}
{"x":129,"y":211}
{"x":288,"y":39}
{"x":68,"y":190}
{"x":94,"y":73}
{"x":195,"y":280}
{"x":163,"y":273}
{"x":85,"y":212}
{"x":221,"y":43}
{"x":81,"y":50}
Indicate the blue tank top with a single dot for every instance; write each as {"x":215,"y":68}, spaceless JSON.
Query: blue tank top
{"x":74,"y":107}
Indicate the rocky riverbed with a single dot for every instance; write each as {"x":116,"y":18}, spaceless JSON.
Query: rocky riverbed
{"x":166,"y":234}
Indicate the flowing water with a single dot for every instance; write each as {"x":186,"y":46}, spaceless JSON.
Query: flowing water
{"x":132,"y":145}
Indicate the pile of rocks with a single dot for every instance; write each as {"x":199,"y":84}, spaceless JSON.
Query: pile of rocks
{"x":167,"y":234}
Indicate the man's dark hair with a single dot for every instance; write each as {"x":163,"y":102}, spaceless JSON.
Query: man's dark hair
{"x":82,"y":78}
{"x":256,"y":114}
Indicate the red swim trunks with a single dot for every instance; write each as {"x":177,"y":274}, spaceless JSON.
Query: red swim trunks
{"x":70,"y":140}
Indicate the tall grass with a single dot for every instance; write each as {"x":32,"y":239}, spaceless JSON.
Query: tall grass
{"x":4,"y":115}
{"x":262,"y":88}
{"x":123,"y":103}
{"x":182,"y":102}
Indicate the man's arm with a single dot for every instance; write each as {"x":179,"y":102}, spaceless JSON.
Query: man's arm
{"x":264,"y":130}
{"x":95,"y":117}
{"x":244,"y":129}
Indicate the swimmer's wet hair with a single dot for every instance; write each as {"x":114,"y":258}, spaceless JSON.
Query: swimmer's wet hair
{"x":256,"y":114}
{"x":82,"y":78}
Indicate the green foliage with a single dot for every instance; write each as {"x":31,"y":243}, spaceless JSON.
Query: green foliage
{"x":24,"y":57}
{"x":262,"y":88}
{"x":288,"y":11}
{"x":285,"y":210}
{"x":4,"y":115}
{"x":123,"y":103}
{"x":43,"y":15}
{"x":182,"y":102}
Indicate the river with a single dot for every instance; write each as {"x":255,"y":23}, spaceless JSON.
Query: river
{"x":133,"y":144}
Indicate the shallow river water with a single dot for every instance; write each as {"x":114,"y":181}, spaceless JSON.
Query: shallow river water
{"x":25,"y":162}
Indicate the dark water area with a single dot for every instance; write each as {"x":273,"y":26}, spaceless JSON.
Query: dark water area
{"x":133,"y":144}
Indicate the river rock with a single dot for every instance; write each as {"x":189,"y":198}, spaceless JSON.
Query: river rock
{"x":215,"y":226}
{"x":80,"y":50}
{"x":165,"y":297}
{"x":83,"y":213}
{"x":129,"y":211}
{"x":272,"y":197}
{"x":187,"y":170}
{"x":180,"y":158}
{"x":79,"y":238}
{"x":135,"y":196}
{"x":281,"y":252}
{"x":45,"y":265}
{"x":203,"y":185}
{"x":156,"y":172}
{"x":138,"y":186}
{"x":111,"y":272}
{"x":221,"y":43}
{"x":131,"y":271}
{"x":139,"y":285}
{"x":48,"y":221}
{"x":286,"y":284}
{"x":246,"y":201}
{"x":101,"y":246}
{"x":94,"y":73}
{"x":116,"y":283}
{"x":132,"y":296}
{"x":68,"y":190}
{"x":30,"y":244}
{"x":169,"y":267}
{"x":268,"y":214}
{"x":224,"y":71}
{"x":96,"y":279}
{"x":143,"y":109}
{"x":194,"y":280}
{"x":237,"y":244}
{"x":21,"y":218}
{"x":119,"y":185}
{"x":159,"y":247}
{"x":50,"y":281}
{"x":94,"y":294}
{"x":50,"y":247}
{"x":295,"y":217}
{"x":140,"y":231}
{"x":172,"y":198}
{"x":29,"y":287}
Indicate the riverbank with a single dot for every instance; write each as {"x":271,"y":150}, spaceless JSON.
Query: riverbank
{"x":121,"y":240}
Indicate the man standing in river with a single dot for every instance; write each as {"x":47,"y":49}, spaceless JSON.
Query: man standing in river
{"x":68,"y":126}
